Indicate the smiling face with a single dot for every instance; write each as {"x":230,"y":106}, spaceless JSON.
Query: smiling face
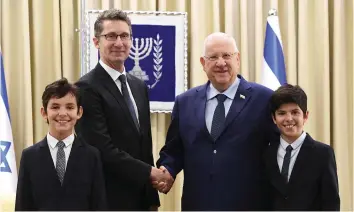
{"x":114,"y":53}
{"x":221,"y":60}
{"x":290,"y":120}
{"x":61,"y":115}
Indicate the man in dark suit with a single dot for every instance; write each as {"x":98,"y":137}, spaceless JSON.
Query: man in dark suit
{"x":117,"y":118}
{"x":302,"y":172}
{"x":217,"y":135}
{"x":61,"y":172}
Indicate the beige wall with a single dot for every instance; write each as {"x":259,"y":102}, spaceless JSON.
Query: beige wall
{"x":40,"y":45}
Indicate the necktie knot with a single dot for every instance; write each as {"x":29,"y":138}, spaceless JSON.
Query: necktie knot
{"x":221,"y":97}
{"x":60,"y":144}
{"x":289,"y":148}
{"x":122,"y":78}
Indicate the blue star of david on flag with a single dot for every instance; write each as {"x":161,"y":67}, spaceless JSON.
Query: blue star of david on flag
{"x":8,"y":171}
{"x":4,"y":149}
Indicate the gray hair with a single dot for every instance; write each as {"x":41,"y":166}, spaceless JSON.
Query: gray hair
{"x":113,"y":15}
{"x":219,"y":35}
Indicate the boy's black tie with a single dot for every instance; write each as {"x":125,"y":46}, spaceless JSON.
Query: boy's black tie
{"x":286,"y":162}
{"x":60,"y":163}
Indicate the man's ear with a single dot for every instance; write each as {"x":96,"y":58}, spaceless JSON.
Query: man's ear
{"x":96,"y":42}
{"x":202,"y":61}
{"x":238,"y":59}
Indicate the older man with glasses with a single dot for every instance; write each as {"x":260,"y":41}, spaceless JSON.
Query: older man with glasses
{"x":218,"y":134}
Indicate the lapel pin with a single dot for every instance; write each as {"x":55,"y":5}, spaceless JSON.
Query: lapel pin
{"x":242,"y":96}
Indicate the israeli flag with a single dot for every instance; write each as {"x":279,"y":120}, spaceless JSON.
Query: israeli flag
{"x":8,"y":170}
{"x":273,"y":75}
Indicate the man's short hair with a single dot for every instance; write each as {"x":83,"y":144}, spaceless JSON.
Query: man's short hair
{"x":288,"y":94}
{"x":59,"y":89}
{"x":113,"y":15}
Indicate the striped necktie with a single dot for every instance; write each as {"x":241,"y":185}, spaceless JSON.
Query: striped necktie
{"x":60,"y":164}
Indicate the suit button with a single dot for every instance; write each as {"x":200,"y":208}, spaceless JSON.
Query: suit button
{"x":286,"y":197}
{"x":214,"y":151}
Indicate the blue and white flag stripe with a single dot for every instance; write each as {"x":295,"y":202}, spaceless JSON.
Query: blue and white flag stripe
{"x":273,"y":64}
{"x":8,"y":170}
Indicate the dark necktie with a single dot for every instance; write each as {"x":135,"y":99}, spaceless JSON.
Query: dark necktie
{"x":286,"y":162}
{"x":217,"y":124}
{"x":60,"y":163}
{"x":128,"y":100}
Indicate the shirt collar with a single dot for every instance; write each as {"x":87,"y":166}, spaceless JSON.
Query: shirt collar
{"x":53,"y":141}
{"x":296,"y":144}
{"x":112,"y":72}
{"x":230,"y":92}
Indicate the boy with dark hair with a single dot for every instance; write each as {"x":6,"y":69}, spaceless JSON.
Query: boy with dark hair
{"x":302,"y":172}
{"x":61,"y":172}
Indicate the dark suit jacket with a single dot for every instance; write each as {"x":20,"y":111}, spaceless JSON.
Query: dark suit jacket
{"x":227,"y":174}
{"x":39,"y":187}
{"x":313,"y":183}
{"x":126,"y":152}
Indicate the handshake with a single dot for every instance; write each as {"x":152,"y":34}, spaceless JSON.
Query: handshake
{"x":161,"y":179}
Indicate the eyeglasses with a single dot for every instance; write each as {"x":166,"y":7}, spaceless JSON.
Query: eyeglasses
{"x":225,"y":56}
{"x":114,"y":36}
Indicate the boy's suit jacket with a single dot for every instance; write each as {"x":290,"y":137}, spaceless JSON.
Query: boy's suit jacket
{"x":39,"y":187}
{"x":313,"y":183}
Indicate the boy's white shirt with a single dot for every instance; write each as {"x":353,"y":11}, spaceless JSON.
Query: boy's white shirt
{"x":296,"y":145}
{"x":52,"y":142}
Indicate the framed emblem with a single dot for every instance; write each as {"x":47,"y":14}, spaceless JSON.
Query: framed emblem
{"x":158,"y":55}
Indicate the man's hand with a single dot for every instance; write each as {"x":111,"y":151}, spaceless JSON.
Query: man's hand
{"x":166,"y":183}
{"x":157,"y":175}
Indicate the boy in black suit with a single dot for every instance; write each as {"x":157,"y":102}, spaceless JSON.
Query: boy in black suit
{"x":302,"y":172}
{"x":60,"y":172}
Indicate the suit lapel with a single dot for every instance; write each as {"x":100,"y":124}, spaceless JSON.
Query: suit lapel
{"x":199,"y":110}
{"x":277,"y":179}
{"x":73,"y":162}
{"x":242,"y":96}
{"x":112,"y":88}
{"x":301,"y":159}
{"x":47,"y":160}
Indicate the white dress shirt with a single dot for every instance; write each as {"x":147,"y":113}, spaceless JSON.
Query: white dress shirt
{"x":212,"y":102}
{"x":115,"y":74}
{"x":52,"y":142}
{"x":296,"y":145}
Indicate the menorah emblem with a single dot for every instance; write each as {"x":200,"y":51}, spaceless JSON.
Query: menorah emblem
{"x":139,"y":52}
